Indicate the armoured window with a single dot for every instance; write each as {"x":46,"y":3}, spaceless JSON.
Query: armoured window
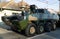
{"x":15,"y":13}
{"x":39,"y":11}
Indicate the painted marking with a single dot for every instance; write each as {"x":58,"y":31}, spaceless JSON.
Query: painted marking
{"x":37,"y":35}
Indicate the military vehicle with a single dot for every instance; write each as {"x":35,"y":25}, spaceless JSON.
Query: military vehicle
{"x":58,"y":23}
{"x":32,"y":21}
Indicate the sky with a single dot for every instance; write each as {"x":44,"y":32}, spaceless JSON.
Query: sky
{"x":52,"y":4}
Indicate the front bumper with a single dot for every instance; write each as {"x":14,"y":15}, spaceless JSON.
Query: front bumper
{"x":16,"y":25}
{"x":6,"y":21}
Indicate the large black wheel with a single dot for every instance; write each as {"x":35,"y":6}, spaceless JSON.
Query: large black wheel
{"x":3,"y":18}
{"x":13,"y":28}
{"x":30,"y":30}
{"x":40,"y":29}
{"x":53,"y":26}
{"x":48,"y":27}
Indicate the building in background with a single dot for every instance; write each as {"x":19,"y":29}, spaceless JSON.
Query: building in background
{"x":13,"y":5}
{"x":23,"y":5}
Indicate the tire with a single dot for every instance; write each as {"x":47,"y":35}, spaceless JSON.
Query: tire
{"x":53,"y":26}
{"x":40,"y":29}
{"x":48,"y":27}
{"x":3,"y":18}
{"x":13,"y":28}
{"x":28,"y":31}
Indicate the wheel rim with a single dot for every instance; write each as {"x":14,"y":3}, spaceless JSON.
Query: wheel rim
{"x":32,"y":30}
{"x":41,"y":29}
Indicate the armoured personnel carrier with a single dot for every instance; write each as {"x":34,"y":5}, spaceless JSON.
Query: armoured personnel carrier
{"x":35,"y":21}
